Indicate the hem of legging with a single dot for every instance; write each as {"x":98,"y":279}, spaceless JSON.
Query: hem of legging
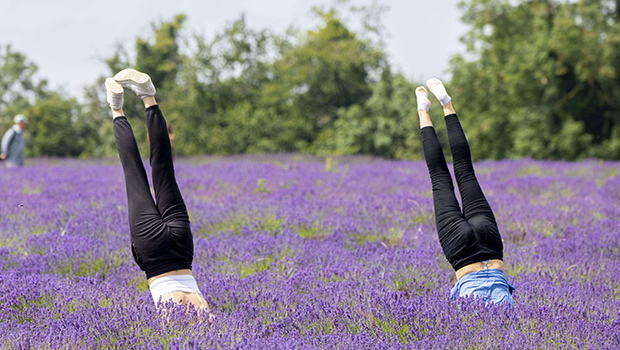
{"x":171,"y":266}
{"x":450,"y":115}
{"x":152,"y":107}
{"x":478,"y":258}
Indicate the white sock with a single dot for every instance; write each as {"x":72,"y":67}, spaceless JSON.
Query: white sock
{"x":421,"y":96}
{"x":437,"y":88}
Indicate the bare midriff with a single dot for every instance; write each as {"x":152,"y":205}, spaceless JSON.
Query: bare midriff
{"x":197,"y":300}
{"x":489,"y":264}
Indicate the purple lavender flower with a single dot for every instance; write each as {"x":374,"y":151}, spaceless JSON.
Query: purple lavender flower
{"x":291,"y":256}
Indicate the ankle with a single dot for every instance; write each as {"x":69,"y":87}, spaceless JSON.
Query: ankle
{"x":149,"y":101}
{"x":448,"y":109}
{"x":425,"y":119}
{"x":117,"y":113}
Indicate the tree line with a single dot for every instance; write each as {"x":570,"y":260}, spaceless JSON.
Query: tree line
{"x":539,"y":79}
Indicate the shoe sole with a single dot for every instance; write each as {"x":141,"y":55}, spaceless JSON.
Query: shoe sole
{"x":131,"y":75}
{"x":433,"y":81}
{"x":113,"y":86}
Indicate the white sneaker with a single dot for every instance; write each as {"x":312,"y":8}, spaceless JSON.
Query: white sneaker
{"x":138,"y":82}
{"x":437,"y":88}
{"x":115,"y":94}
{"x":421,"y":96}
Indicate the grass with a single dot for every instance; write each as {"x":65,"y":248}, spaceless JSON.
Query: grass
{"x":139,"y":282}
{"x":537,"y":170}
{"x":263,"y":222}
{"x":313,"y":231}
{"x":88,"y":266}
{"x":276,"y":262}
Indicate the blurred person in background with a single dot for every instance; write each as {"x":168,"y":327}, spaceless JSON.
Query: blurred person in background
{"x":469,"y":237}
{"x":161,"y":238}
{"x":13,"y":143}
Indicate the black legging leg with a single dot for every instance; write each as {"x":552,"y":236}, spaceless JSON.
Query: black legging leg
{"x":179,"y":252}
{"x":167,"y":195}
{"x":476,"y":208}
{"x":140,"y":203}
{"x":143,"y":214}
{"x":474,"y":201}
{"x":446,"y":206}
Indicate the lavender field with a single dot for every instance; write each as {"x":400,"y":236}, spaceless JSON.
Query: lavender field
{"x":297,"y":254}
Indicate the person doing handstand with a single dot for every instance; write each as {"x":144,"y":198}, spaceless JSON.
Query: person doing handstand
{"x":469,"y":237}
{"x":161,"y":238}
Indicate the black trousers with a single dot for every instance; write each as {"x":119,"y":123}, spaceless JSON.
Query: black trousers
{"x":470,"y":235}
{"x":161,"y":238}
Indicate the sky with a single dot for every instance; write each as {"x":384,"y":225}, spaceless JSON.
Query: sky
{"x":68,"y":40}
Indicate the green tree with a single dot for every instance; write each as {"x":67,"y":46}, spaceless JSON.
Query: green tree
{"x":56,"y":123}
{"x":220,"y":106}
{"x":329,"y":69}
{"x":543,"y":79}
{"x":19,"y":86}
{"x":384,"y":125}
{"x":55,"y":127}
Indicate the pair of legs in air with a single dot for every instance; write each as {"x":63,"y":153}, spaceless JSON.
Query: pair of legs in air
{"x":469,"y":237}
{"x":161,"y":238}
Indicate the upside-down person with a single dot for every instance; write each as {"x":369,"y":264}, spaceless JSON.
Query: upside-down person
{"x":161,"y":238}
{"x":469,"y":237}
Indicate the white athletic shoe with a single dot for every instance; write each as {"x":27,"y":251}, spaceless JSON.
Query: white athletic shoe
{"x":115,"y":94}
{"x":138,"y":82}
{"x":437,"y":88}
{"x":421,"y":96}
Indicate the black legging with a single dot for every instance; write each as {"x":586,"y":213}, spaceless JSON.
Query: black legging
{"x":467,"y":236}
{"x":161,"y":239}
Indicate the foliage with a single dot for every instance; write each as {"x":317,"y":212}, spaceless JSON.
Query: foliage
{"x":330,"y":69}
{"x":57,"y":126}
{"x":539,"y":80}
{"x":543,"y":81}
{"x":382,"y":125}
{"x":18,"y":85}
{"x":249,"y":91}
